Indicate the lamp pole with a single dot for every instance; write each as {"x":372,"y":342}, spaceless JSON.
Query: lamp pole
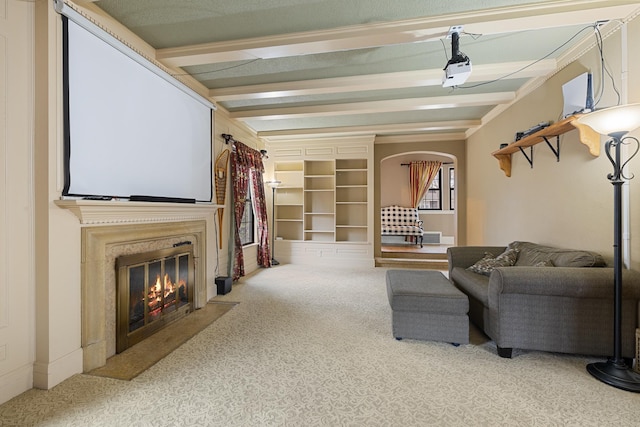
{"x":273,"y":184}
{"x":615,"y":371}
{"x":616,"y":122}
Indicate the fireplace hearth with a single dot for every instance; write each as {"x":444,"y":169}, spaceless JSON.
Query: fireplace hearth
{"x":154,"y":289}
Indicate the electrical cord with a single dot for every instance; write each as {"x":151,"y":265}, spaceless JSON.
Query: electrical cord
{"x":532,"y":63}
{"x":604,"y":69}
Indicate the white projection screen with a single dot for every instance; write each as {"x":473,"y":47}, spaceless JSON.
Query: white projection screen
{"x":130,"y":130}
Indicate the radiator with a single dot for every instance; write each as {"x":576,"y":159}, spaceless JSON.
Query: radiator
{"x":433,"y":237}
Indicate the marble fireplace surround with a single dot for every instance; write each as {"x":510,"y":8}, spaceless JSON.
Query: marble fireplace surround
{"x":107,"y":234}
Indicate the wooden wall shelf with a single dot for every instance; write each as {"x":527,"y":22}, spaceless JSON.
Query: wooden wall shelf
{"x":587,"y":136}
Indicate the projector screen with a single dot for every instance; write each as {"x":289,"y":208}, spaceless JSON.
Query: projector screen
{"x":131,"y":128}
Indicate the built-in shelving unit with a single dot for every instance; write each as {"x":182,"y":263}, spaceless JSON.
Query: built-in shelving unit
{"x":322,"y":200}
{"x":587,"y":136}
{"x":324,"y":204}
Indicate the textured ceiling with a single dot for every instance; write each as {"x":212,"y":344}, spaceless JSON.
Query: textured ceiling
{"x":313,"y":68}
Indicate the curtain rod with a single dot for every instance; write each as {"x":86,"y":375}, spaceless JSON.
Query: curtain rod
{"x":408,"y":164}
{"x":228,"y":139}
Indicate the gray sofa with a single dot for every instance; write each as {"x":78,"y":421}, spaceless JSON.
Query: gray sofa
{"x":551,"y":299}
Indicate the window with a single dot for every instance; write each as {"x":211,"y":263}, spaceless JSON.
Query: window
{"x":247,"y":226}
{"x":432,"y":199}
{"x":452,"y":185}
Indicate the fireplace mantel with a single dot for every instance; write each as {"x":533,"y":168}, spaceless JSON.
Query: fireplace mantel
{"x":95,"y":212}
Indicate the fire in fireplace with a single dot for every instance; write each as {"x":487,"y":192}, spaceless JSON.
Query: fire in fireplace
{"x":153,"y":289}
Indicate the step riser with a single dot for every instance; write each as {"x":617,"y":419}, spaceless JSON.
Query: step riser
{"x":414,"y":255}
{"x":402,"y":263}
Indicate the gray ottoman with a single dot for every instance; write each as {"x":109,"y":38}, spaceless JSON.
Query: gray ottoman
{"x":425,"y":305}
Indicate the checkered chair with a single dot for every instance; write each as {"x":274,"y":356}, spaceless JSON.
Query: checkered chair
{"x":401,"y":221}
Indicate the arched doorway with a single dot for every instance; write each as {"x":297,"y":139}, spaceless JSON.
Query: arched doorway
{"x":439,"y":214}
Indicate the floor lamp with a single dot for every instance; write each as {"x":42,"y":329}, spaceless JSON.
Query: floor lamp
{"x":273,"y":184}
{"x":616,"y":122}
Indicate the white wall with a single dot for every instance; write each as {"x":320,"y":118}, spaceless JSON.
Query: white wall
{"x":16,"y":204}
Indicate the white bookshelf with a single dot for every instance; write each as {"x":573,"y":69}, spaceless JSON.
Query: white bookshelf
{"x":324,"y":204}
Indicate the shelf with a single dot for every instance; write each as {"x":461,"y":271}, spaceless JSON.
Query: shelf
{"x":289,"y":212}
{"x":351,"y":234}
{"x":360,"y":164}
{"x":295,"y":166}
{"x":121,"y":212}
{"x":319,"y":167}
{"x":323,"y":201}
{"x":319,"y":183}
{"x":351,"y":194}
{"x":351,"y":177}
{"x":289,"y":196}
{"x":289,"y":178}
{"x":289,"y":230}
{"x":587,"y":136}
{"x":319,"y":236}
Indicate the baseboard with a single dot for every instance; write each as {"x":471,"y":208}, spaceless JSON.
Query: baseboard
{"x":48,"y":375}
{"x":16,"y":382}
{"x":447,"y":240}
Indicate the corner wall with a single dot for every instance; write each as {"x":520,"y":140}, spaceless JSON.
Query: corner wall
{"x":566,"y":203}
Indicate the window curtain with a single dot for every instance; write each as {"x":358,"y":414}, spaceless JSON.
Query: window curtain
{"x":421,"y":175}
{"x":246,"y":163}
{"x":260,"y":207}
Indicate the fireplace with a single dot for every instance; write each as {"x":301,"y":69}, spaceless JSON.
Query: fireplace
{"x":153,"y":289}
{"x":102,"y":245}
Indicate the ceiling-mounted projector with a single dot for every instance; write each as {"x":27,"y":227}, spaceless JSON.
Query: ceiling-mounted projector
{"x":458,"y":68}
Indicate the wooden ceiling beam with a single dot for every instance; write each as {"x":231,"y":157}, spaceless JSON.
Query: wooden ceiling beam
{"x":398,"y":80}
{"x":372,"y":107}
{"x":493,"y":21}
{"x":457,"y":127}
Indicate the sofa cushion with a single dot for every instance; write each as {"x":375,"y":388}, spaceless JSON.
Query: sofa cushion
{"x":489,"y":262}
{"x":531,"y":253}
{"x":473,"y":284}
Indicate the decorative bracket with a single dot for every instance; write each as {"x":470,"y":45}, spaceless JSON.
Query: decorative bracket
{"x":529,"y":159}
{"x":555,"y":150}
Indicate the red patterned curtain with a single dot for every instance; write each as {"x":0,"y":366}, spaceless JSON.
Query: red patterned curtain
{"x":421,"y":175}
{"x":245,"y":163}
{"x":260,"y":206}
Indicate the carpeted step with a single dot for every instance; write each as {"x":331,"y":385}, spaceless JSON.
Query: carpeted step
{"x":427,"y":264}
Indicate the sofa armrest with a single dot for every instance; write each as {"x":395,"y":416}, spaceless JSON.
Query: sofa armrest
{"x":466,"y":256}
{"x":575,"y":282}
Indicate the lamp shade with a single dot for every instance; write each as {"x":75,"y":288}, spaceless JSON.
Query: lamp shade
{"x":614,"y":121}
{"x":274,"y":183}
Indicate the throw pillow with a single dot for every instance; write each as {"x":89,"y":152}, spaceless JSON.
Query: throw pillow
{"x":532,"y":253}
{"x":488,"y":263}
{"x":545,"y":263}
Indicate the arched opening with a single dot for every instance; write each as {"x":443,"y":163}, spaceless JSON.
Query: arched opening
{"x":438,"y":213}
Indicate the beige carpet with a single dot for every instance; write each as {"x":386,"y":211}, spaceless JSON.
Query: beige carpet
{"x":135,"y":360}
{"x":312,"y":346}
